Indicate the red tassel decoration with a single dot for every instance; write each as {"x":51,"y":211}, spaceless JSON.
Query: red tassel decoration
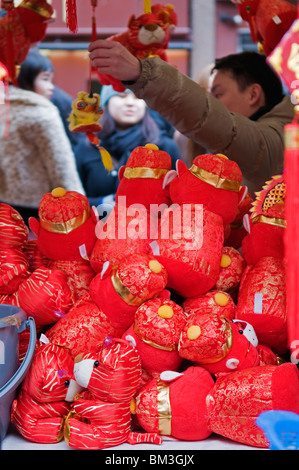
{"x":292,"y":234}
{"x":4,"y":95}
{"x":71,"y":15}
{"x":284,"y":60}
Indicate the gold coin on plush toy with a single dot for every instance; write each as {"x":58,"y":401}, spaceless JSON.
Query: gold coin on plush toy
{"x":193,"y":332}
{"x":225,"y":261}
{"x":58,"y":192}
{"x":155,"y":266}
{"x":151,"y":146}
{"x":165,"y":311}
{"x":221,"y":299}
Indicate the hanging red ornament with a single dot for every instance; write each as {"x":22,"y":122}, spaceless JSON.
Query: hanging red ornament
{"x":71,"y":15}
{"x":4,"y":96}
{"x":86,"y":109}
{"x":285,"y":60}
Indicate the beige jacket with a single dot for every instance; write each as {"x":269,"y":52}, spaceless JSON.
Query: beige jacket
{"x":36,"y":156}
{"x":257,"y":146}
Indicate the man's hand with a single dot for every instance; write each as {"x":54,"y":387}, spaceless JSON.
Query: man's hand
{"x":112,"y":58}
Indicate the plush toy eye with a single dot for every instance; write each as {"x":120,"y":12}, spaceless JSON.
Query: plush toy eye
{"x":81,"y":105}
{"x":96,"y":364}
{"x":241,"y":332}
{"x":66,"y":383}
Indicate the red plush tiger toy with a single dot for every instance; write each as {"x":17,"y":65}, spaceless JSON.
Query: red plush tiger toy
{"x":147,"y":35}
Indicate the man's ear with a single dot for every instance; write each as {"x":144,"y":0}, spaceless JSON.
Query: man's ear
{"x":256,"y":95}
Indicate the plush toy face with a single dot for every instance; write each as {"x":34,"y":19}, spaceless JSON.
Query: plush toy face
{"x":147,"y":30}
{"x":218,"y":344}
{"x":113,"y":374}
{"x":50,"y":374}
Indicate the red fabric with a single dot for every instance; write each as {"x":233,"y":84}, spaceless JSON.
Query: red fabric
{"x":28,"y":26}
{"x":230,"y":276}
{"x":187,"y":396}
{"x":206,"y":304}
{"x":153,"y":360}
{"x":266,"y":278}
{"x":13,"y":231}
{"x":116,"y":374}
{"x":40,"y":407}
{"x":97,"y":424}
{"x":191,"y":254}
{"x":45,"y":296}
{"x":237,"y":231}
{"x":14,"y":268}
{"x":188,"y":404}
{"x":260,"y":14}
{"x":146,"y":191}
{"x":79,"y":275}
{"x":161,"y":332}
{"x":236,"y":400}
{"x":35,"y":258}
{"x":114,"y":239}
{"x":263,"y":240}
{"x":135,"y":274}
{"x":218,"y":343}
{"x":84,"y":329}
{"x":187,"y":188}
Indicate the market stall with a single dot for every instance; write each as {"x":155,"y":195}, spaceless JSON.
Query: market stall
{"x":158,"y":330}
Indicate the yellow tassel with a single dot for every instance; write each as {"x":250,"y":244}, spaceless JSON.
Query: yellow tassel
{"x":106,"y":158}
{"x":147,"y":6}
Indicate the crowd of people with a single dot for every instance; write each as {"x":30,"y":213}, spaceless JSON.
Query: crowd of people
{"x":240,"y":112}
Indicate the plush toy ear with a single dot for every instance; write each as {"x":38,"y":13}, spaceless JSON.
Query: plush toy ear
{"x":155,"y":248}
{"x":131,"y":340}
{"x":164,"y":16}
{"x":247,"y":224}
{"x":242,"y":193}
{"x":170,"y":375}
{"x":106,"y":269}
{"x":181,"y":167}
{"x":121,"y":172}
{"x":232,"y":363}
{"x":248,"y":331}
{"x":34,"y":225}
{"x":171,"y":175}
{"x":131,"y":21}
{"x":94,"y":214}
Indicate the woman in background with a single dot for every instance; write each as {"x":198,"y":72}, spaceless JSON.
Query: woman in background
{"x":36,"y":156}
{"x":127,"y":123}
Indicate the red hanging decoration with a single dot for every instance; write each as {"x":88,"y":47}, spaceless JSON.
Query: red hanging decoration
{"x":4,"y":96}
{"x":71,"y":15}
{"x":284,"y":59}
{"x":86,"y":109}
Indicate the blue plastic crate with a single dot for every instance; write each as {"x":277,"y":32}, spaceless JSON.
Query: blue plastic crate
{"x":281,"y":429}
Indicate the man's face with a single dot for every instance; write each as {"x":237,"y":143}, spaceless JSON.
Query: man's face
{"x":225,"y":89}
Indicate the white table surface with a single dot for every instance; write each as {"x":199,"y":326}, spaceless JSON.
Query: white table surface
{"x":14,"y":441}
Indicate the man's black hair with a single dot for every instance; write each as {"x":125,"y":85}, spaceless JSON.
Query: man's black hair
{"x":251,"y":67}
